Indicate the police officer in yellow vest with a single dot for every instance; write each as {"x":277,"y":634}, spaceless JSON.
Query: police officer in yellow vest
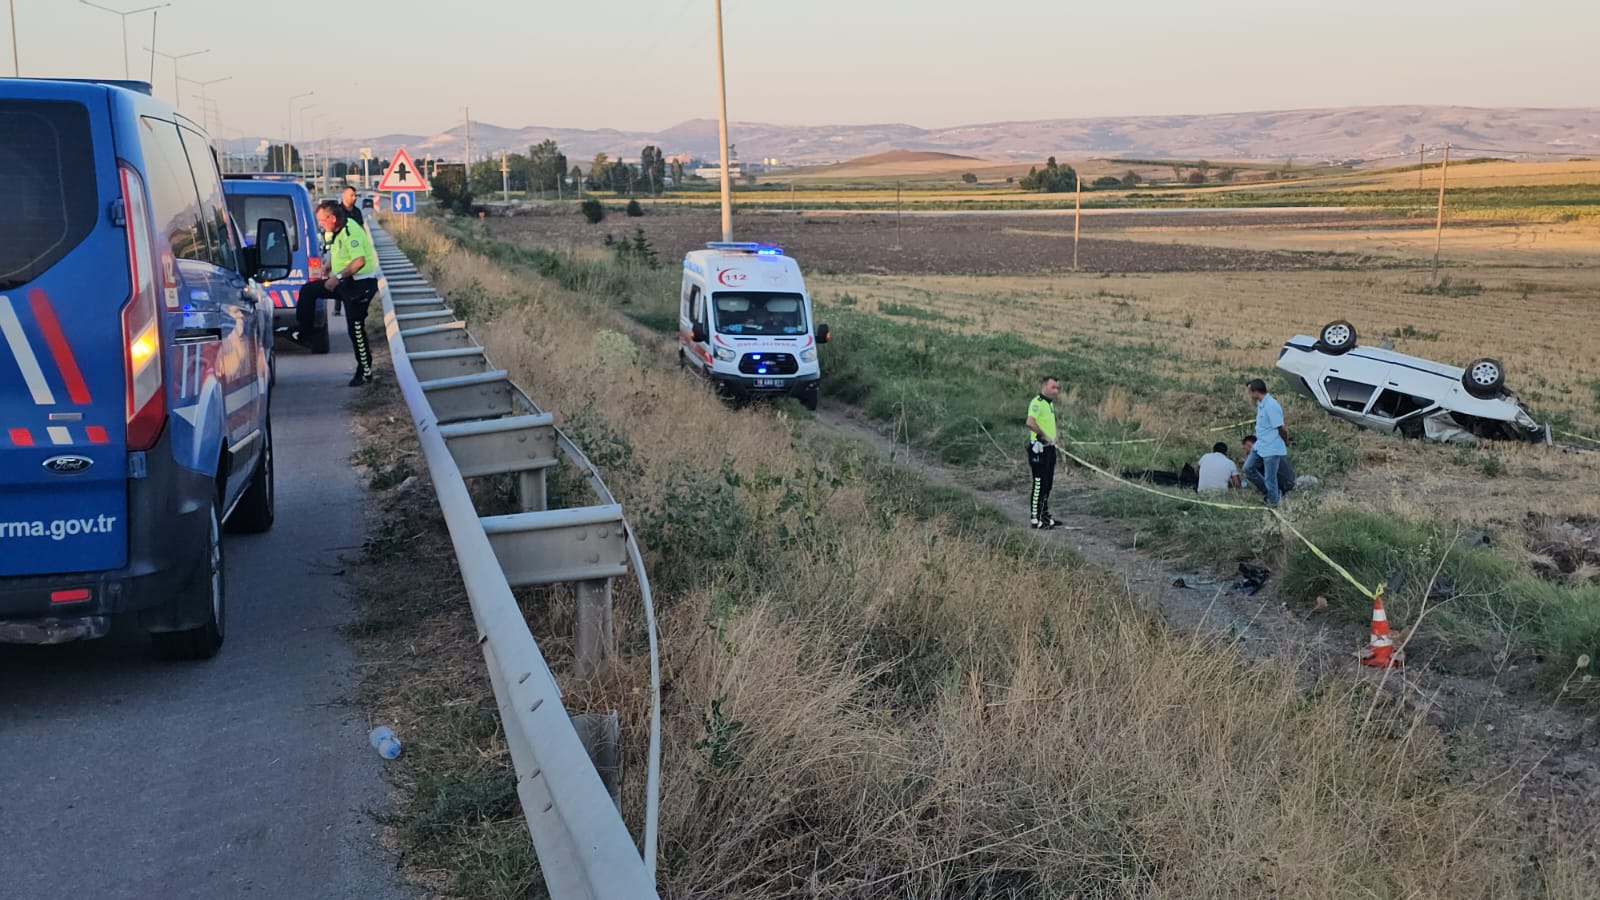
{"x":1042,"y":451}
{"x":352,"y":279}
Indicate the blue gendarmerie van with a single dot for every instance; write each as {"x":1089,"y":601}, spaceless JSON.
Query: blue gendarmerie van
{"x":134,"y":368}
{"x":255,"y":196}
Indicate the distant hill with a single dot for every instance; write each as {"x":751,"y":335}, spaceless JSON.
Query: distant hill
{"x":1303,"y":135}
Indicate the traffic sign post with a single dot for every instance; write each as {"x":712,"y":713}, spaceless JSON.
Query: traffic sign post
{"x":402,"y":175}
{"x":403,"y":202}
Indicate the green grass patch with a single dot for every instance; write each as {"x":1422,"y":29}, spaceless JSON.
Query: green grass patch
{"x":1481,"y":600}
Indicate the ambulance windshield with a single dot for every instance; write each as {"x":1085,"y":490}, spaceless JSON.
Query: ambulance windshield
{"x":750,"y":313}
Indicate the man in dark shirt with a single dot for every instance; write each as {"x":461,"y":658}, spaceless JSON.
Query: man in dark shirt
{"x":352,"y":207}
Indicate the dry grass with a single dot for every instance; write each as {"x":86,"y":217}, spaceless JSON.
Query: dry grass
{"x":861,"y":703}
{"x":1238,"y":320}
{"x":1540,"y":244}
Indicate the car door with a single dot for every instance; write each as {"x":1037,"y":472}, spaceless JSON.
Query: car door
{"x":65,"y":282}
{"x":239,"y":357}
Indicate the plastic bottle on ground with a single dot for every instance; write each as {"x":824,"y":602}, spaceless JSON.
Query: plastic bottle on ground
{"x":384,"y":741}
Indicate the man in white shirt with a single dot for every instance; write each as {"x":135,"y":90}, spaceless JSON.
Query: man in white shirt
{"x":1217,"y":471}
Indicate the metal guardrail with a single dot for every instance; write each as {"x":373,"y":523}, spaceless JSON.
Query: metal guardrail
{"x":472,"y":421}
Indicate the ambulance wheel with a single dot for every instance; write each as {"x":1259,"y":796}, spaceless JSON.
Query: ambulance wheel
{"x":210,"y":588}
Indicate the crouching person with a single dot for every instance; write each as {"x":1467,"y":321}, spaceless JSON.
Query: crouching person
{"x":353,"y":264}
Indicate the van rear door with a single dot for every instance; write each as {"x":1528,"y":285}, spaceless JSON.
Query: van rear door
{"x":64,"y":280}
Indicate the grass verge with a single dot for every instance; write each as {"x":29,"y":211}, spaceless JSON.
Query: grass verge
{"x":872,"y":696}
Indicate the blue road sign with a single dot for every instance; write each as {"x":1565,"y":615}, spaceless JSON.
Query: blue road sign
{"x":403,"y":201}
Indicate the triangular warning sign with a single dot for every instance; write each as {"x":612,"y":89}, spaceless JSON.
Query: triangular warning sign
{"x":403,"y":175}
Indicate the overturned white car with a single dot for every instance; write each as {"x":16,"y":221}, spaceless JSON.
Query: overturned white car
{"x":1394,"y":393}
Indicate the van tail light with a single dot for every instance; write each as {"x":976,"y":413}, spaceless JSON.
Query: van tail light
{"x":141,"y":322}
{"x":316,"y":267}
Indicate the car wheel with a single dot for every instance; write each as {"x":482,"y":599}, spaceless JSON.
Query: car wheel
{"x":256,"y":508}
{"x":808,"y":399}
{"x":1484,"y":378}
{"x":318,"y":339}
{"x":204,"y":641}
{"x":1338,"y":337}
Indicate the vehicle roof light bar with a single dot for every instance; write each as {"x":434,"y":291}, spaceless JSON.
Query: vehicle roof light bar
{"x":746,"y":247}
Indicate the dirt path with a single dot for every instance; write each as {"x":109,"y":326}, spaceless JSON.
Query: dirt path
{"x":1518,"y":740}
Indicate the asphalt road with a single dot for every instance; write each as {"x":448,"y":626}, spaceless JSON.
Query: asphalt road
{"x":247,"y":775}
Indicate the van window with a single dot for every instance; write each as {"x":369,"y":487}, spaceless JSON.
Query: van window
{"x":213,"y":211}
{"x":48,"y":194}
{"x":249,"y":209}
{"x":172,"y":194}
{"x":1345,"y":394}
{"x":1393,"y":404}
{"x":759,"y":312}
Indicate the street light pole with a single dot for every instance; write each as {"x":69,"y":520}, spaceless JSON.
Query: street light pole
{"x":16,"y":63}
{"x":177,"y":97}
{"x":204,"y":99}
{"x":310,"y":141}
{"x":722,"y":133}
{"x":289,"y":141}
{"x":115,"y":12}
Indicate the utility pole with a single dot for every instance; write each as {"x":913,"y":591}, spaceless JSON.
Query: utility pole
{"x":154,"y":17}
{"x":722,"y":132}
{"x":1077,"y":215}
{"x":505,"y":178}
{"x":898,"y":238}
{"x":1438,"y":228}
{"x":116,"y":12}
{"x":466,"y":113}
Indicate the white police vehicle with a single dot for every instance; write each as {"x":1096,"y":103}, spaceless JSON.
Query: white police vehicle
{"x":1405,"y":395}
{"x":745,"y":322}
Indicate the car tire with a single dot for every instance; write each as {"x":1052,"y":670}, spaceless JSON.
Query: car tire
{"x":318,"y":339}
{"x":1484,"y":378}
{"x":808,"y":399}
{"x":1337,"y":337}
{"x":204,"y":641}
{"x":257,"y":508}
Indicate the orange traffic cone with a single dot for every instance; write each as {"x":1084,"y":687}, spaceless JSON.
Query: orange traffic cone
{"x":1380,"y":652}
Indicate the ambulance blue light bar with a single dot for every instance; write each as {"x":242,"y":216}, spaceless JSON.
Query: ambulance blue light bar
{"x":746,"y":247}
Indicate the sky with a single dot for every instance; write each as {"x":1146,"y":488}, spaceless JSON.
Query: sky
{"x":410,"y":66}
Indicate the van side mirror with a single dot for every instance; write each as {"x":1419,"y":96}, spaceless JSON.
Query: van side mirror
{"x":698,"y":334}
{"x":271,"y":258}
{"x":822,"y":334}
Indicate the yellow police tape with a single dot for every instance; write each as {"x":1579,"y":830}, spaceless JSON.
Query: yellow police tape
{"x":1153,"y":440}
{"x":1372,"y":593}
{"x":1578,"y":436}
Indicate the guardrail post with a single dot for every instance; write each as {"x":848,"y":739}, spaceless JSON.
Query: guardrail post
{"x":601,"y":735}
{"x":595,"y":641}
{"x":531,"y":490}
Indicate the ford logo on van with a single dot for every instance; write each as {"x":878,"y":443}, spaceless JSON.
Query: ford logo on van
{"x":68,"y":465}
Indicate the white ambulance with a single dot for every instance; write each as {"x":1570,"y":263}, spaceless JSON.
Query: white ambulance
{"x":745,"y":322}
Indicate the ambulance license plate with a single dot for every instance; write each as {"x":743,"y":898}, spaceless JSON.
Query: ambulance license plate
{"x":769,"y":382}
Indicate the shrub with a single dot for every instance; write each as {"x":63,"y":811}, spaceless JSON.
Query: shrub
{"x":593,"y":210}
{"x":969,"y":178}
{"x":634,"y":209}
